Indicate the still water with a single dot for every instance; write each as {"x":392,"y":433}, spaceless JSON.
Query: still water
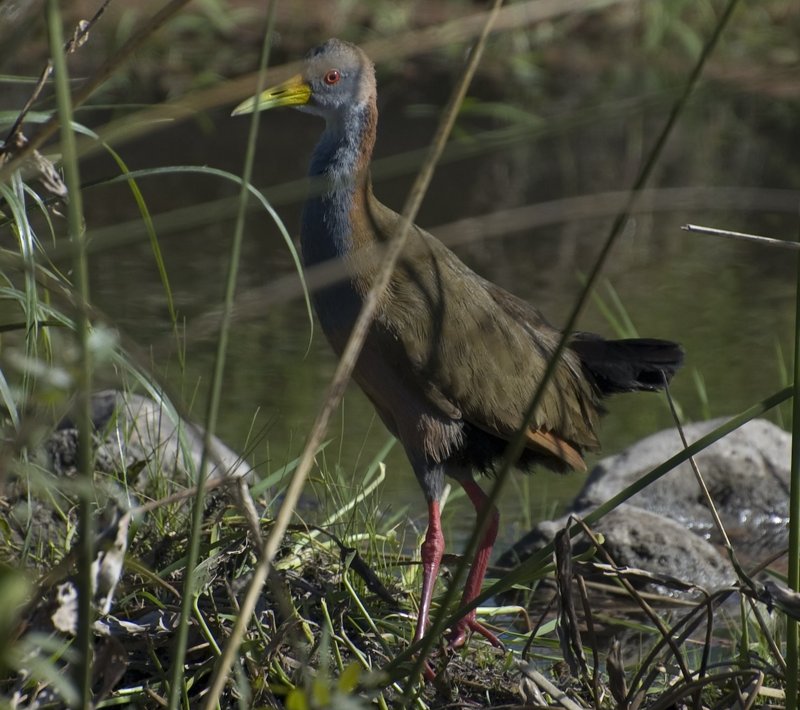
{"x":730,"y":304}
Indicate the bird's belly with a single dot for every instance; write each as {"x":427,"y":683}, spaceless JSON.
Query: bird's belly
{"x":423,"y":429}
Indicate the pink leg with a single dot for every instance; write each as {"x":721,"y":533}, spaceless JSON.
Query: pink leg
{"x":431,"y":552}
{"x":458,"y":635}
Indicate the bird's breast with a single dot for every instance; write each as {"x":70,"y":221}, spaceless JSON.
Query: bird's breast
{"x":325,"y":237}
{"x":326,"y":229}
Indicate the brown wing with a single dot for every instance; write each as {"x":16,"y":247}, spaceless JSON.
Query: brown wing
{"x":475,"y":349}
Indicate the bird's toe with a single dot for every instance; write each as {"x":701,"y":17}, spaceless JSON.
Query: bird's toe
{"x":459,"y":635}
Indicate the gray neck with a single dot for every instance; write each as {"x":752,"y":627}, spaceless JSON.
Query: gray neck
{"x":340,"y":156}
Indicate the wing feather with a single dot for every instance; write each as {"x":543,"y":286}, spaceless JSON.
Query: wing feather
{"x":481,"y":352}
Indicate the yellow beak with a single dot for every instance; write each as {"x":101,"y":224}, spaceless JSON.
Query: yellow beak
{"x":292,"y":92}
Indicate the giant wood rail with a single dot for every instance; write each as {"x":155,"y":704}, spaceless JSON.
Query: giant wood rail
{"x":451,"y":361}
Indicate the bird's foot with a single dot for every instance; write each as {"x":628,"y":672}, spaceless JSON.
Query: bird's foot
{"x":428,"y":673}
{"x":469,"y":624}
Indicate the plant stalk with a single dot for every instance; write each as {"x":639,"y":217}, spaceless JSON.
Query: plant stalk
{"x":83,"y":665}
{"x":792,"y":638}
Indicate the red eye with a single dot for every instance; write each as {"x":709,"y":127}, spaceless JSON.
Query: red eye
{"x":332,"y":77}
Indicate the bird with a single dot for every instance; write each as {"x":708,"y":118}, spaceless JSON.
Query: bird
{"x":451,"y":361}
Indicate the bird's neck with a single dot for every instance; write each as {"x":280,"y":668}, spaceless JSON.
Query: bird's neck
{"x":340,"y":175}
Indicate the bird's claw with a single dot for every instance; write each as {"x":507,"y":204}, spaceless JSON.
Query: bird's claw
{"x":469,"y":624}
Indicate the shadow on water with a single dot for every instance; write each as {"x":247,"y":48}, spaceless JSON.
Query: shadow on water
{"x":728,"y":303}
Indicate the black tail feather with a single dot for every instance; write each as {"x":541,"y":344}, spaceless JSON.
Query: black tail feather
{"x":627,"y":365}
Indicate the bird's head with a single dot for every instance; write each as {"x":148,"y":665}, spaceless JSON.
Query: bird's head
{"x":337,"y":77}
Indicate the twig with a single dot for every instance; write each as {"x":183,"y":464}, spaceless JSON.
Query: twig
{"x":77,"y":40}
{"x":678,"y":692}
{"x":568,"y":634}
{"x":90,"y":86}
{"x":707,"y":494}
{"x":558,"y":695}
{"x":742,"y":236}
{"x":745,"y":579}
{"x":645,"y":607}
{"x":591,"y":638}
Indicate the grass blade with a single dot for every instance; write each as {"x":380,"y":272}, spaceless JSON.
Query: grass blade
{"x":226,"y":660}
{"x":792,"y":628}
{"x":69,"y":153}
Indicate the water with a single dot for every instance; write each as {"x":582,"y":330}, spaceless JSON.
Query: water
{"x":730,"y":304}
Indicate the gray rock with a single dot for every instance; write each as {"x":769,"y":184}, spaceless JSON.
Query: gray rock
{"x":136,"y":432}
{"x":667,"y":528}
{"x":136,"y":440}
{"x":746,"y":472}
{"x":647,"y":541}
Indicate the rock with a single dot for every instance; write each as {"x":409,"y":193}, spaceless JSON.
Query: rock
{"x":746,"y":472}
{"x":137,"y":433}
{"x":638,"y":538}
{"x":667,"y":528}
{"x":138,"y":442}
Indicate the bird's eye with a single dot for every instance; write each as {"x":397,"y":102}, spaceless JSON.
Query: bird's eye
{"x":332,"y":77}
